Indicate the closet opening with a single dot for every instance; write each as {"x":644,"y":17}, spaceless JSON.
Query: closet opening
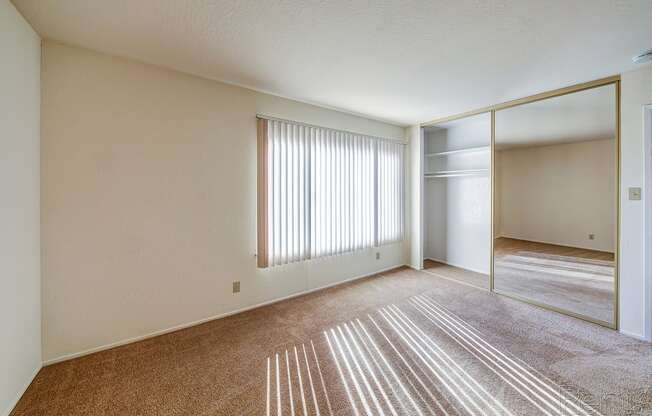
{"x":457,"y":200}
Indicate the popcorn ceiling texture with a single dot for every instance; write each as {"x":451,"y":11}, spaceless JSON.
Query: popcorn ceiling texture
{"x":405,"y":61}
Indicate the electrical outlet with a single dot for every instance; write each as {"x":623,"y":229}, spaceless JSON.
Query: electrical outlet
{"x":378,"y":255}
{"x":236,"y":286}
{"x":591,"y":236}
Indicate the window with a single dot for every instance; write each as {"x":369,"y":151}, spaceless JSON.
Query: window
{"x":324,"y":192}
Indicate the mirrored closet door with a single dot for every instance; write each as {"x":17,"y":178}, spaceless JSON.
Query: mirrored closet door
{"x":555,"y":209}
{"x":457,"y":200}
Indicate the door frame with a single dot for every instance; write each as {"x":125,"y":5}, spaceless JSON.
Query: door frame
{"x":647,"y":146}
{"x":613,"y":80}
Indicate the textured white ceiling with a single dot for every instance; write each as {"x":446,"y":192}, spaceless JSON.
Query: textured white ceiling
{"x":405,"y":61}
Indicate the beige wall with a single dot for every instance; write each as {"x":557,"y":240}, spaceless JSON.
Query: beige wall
{"x":149,"y":201}
{"x":559,"y":194}
{"x":20,"y":286}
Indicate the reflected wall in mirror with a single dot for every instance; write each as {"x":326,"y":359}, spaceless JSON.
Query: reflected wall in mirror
{"x":457,"y":200}
{"x":555,"y":184}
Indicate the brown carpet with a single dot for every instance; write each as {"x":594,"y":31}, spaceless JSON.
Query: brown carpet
{"x":457,"y":274}
{"x":402,"y":343}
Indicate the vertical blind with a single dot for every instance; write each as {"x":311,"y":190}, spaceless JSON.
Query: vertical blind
{"x":324,"y":192}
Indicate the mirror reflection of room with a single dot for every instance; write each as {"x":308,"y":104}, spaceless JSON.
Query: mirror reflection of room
{"x":457,"y":200}
{"x":555,"y":202}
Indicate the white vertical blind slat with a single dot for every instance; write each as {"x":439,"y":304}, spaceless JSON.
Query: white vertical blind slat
{"x":288,"y":196}
{"x":391,"y":177}
{"x":330,"y":192}
{"x":270,"y":189}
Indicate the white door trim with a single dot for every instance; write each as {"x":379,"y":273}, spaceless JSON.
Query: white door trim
{"x":647,"y":197}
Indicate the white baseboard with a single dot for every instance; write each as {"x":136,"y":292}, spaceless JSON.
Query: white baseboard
{"x":208,"y":319}
{"x":20,"y":393}
{"x":459,"y":266}
{"x":633,"y":335}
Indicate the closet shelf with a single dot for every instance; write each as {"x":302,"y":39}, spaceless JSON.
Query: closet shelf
{"x":454,"y":173}
{"x":459,"y":151}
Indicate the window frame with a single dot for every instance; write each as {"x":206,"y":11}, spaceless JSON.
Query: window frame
{"x":263,"y":254}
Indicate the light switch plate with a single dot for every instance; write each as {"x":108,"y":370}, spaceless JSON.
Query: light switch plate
{"x":634,"y":194}
{"x":236,"y":286}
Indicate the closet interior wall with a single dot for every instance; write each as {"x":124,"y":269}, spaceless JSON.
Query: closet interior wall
{"x":457,"y":193}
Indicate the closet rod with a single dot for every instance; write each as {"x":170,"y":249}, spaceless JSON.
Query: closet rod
{"x":453,"y":175}
{"x":452,"y":152}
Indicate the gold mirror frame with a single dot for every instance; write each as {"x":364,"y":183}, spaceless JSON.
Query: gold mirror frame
{"x":614,"y":80}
